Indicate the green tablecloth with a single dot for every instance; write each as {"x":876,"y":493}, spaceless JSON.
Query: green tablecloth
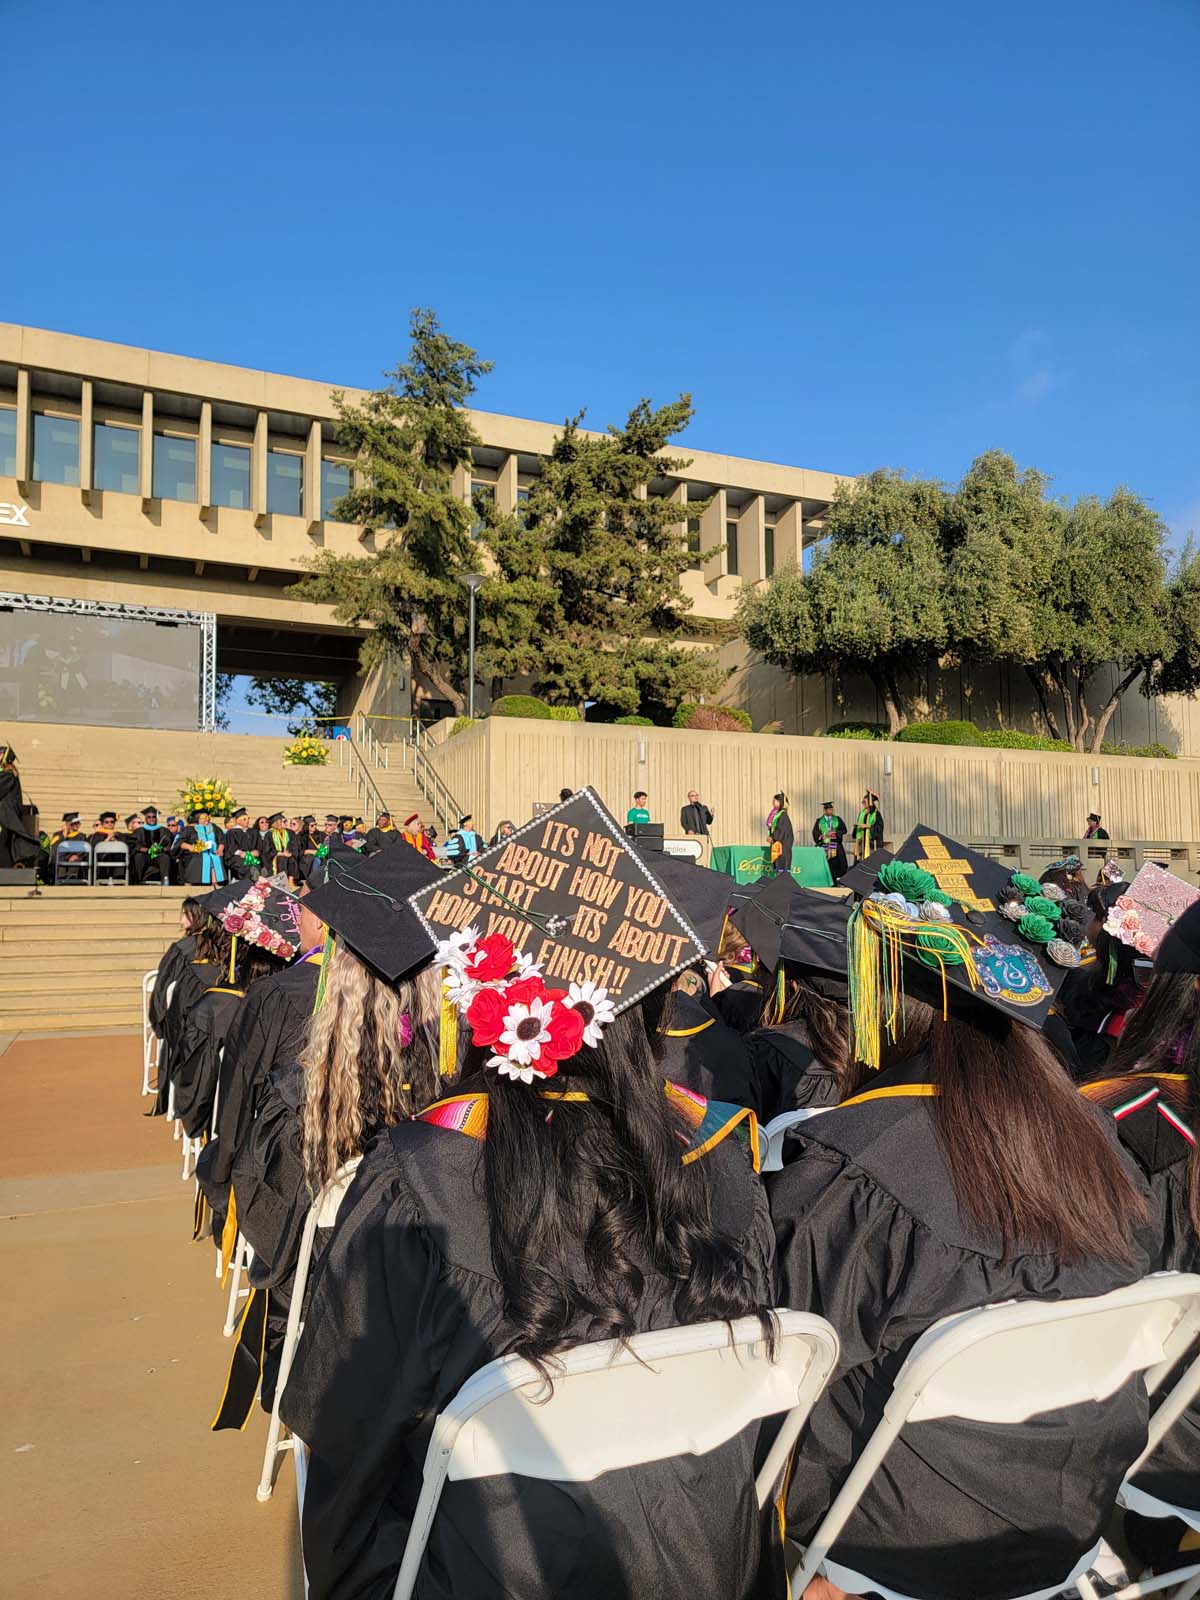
{"x":746,"y":863}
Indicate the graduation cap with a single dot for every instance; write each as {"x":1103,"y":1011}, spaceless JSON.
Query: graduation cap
{"x":861,"y":877}
{"x":366,"y":903}
{"x":233,"y":816}
{"x":132,"y":817}
{"x":815,"y":933}
{"x":152,"y":811}
{"x":215,"y":901}
{"x":70,"y":816}
{"x":962,"y":928}
{"x":701,"y":894}
{"x":573,"y":896}
{"x":106,"y":816}
{"x":759,"y":914}
{"x":1146,"y":913}
{"x":264,"y":915}
{"x":7,"y":754}
{"x":279,"y":816}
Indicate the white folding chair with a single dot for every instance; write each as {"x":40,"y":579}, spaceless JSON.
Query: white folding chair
{"x":1006,"y":1363}
{"x":1186,"y":1580}
{"x":321,"y":1214}
{"x":615,"y":1406}
{"x":149,"y":1037}
{"x":112,"y":859}
{"x":243,"y":1255}
{"x":775,"y":1131}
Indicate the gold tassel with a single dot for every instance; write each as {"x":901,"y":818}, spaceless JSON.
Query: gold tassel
{"x":232,"y":957}
{"x":448,"y":1038}
{"x":879,"y":940}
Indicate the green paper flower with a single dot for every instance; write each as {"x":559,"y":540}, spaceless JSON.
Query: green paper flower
{"x":906,"y":878}
{"x":1038,"y":930}
{"x":939,"y":950}
{"x":1026,"y":884}
{"x":1041,"y":907}
{"x":940,"y":897}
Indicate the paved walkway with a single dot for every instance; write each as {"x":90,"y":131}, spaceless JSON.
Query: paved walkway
{"x":111,"y":1355}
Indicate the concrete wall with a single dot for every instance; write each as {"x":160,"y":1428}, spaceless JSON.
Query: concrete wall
{"x":501,"y":766}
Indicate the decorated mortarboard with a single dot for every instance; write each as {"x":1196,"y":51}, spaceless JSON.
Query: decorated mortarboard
{"x":1180,"y":948}
{"x":551,"y":933}
{"x":701,"y":894}
{"x":947,"y":917}
{"x":860,"y":878}
{"x":215,"y":901}
{"x":365,"y":903}
{"x":1143,"y":913}
{"x":265,"y":914}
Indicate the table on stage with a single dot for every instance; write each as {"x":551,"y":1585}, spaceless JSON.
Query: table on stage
{"x":746,"y":863}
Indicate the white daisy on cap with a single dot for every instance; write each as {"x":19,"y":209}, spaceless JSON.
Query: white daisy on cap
{"x":526,"y":1030}
{"x":594,"y":1006}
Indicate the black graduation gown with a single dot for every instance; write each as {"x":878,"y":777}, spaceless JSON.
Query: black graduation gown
{"x":175,"y":957}
{"x":269,"y":1031}
{"x":785,"y":1075}
{"x":142,"y":867}
{"x":405,"y":1308}
{"x":870,"y":1236}
{"x":868,"y":833}
{"x":18,"y":837}
{"x":233,"y":850}
{"x":740,"y":1005}
{"x":701,"y":1052}
{"x":377,"y":838}
{"x":191,"y":980}
{"x":193,"y":860}
{"x":1163,"y":1155}
{"x":834,"y":834}
{"x":783,"y":834}
{"x":197,"y":1059}
{"x":278,"y":860}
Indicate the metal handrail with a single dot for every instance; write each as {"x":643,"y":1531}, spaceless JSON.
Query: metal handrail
{"x":429,"y":780}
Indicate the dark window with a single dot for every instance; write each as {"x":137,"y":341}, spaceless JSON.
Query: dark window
{"x":174,"y":468}
{"x":115,"y":458}
{"x":285,"y":483}
{"x":693,"y":541}
{"x":231,"y":476}
{"x":55,"y":449}
{"x":8,"y":442}
{"x":769,"y":550}
{"x":336,"y":479}
{"x":731,"y":549}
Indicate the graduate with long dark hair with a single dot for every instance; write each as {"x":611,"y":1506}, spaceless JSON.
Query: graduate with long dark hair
{"x":563,"y":1195}
{"x":967,"y":1171}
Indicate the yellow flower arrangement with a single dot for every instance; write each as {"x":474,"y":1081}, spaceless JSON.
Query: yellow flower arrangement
{"x":213,"y":795}
{"x":307,"y":751}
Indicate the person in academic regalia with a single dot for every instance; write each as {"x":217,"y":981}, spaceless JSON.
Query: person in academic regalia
{"x":150,"y":850}
{"x":382,"y":833}
{"x":309,"y":841}
{"x":694,"y":1046}
{"x":892,"y":1211}
{"x":1151,"y":1088}
{"x":200,"y":844}
{"x":371,"y":1057}
{"x":239,"y":847}
{"x":868,"y":827}
{"x":47,"y":861}
{"x":278,"y":848}
{"x":18,"y":830}
{"x":192,"y":917}
{"x":415,"y":834}
{"x":780,"y":835}
{"x":510,"y":1219}
{"x":1098,"y":996}
{"x":105,"y":829}
{"x":264,"y":935}
{"x":829,"y":833}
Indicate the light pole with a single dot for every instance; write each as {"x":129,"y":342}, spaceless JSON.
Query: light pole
{"x":472,"y":581}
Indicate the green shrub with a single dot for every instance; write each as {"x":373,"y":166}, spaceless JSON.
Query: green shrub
{"x":686,"y":714}
{"x":633,"y":722}
{"x":1013,"y":739}
{"x":565,"y":714}
{"x":963,"y":733}
{"x":716,"y":719}
{"x":459,"y":724}
{"x":1157,"y":751}
{"x":857,"y":730}
{"x":522,"y":705}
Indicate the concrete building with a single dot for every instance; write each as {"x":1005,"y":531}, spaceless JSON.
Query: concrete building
{"x":134,"y":477}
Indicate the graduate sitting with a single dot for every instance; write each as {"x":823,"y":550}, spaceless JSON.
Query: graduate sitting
{"x":151,"y":850}
{"x":200,"y":844}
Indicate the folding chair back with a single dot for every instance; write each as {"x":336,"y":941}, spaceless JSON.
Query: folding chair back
{"x":613,"y":1407}
{"x":149,"y":1037}
{"x":1008,"y":1362}
{"x":776,"y":1132}
{"x":72,"y":861}
{"x":111,"y":859}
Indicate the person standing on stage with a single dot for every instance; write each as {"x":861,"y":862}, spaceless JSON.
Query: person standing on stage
{"x":1093,"y":829}
{"x":780,"y":835}
{"x":695,"y":817}
{"x":829,"y":832}
{"x":150,"y":852}
{"x":201,"y":847}
{"x":18,"y":834}
{"x":868,"y":830}
{"x":639,"y":811}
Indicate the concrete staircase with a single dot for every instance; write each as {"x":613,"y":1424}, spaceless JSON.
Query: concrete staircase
{"x":72,"y":959}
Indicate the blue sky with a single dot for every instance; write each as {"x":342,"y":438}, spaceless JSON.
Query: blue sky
{"x":861,"y":234}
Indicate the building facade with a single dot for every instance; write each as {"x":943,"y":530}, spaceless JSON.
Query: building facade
{"x":135,"y":477}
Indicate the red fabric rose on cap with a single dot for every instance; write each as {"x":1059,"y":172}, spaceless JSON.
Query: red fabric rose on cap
{"x":486,"y":1016}
{"x":491,"y":958}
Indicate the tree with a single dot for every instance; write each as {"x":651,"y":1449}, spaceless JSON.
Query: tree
{"x":592,"y":569}
{"x":307,"y":703}
{"x":874,"y":600}
{"x":408,"y":439}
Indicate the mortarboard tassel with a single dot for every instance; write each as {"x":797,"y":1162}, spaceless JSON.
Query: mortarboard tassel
{"x":448,"y":1037}
{"x":326,"y":958}
{"x":232,"y":956}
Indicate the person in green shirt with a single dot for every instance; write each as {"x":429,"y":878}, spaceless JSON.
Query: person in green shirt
{"x":639,"y":811}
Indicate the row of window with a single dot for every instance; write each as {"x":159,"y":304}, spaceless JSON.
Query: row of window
{"x":731,"y":547}
{"x":173,"y":466}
